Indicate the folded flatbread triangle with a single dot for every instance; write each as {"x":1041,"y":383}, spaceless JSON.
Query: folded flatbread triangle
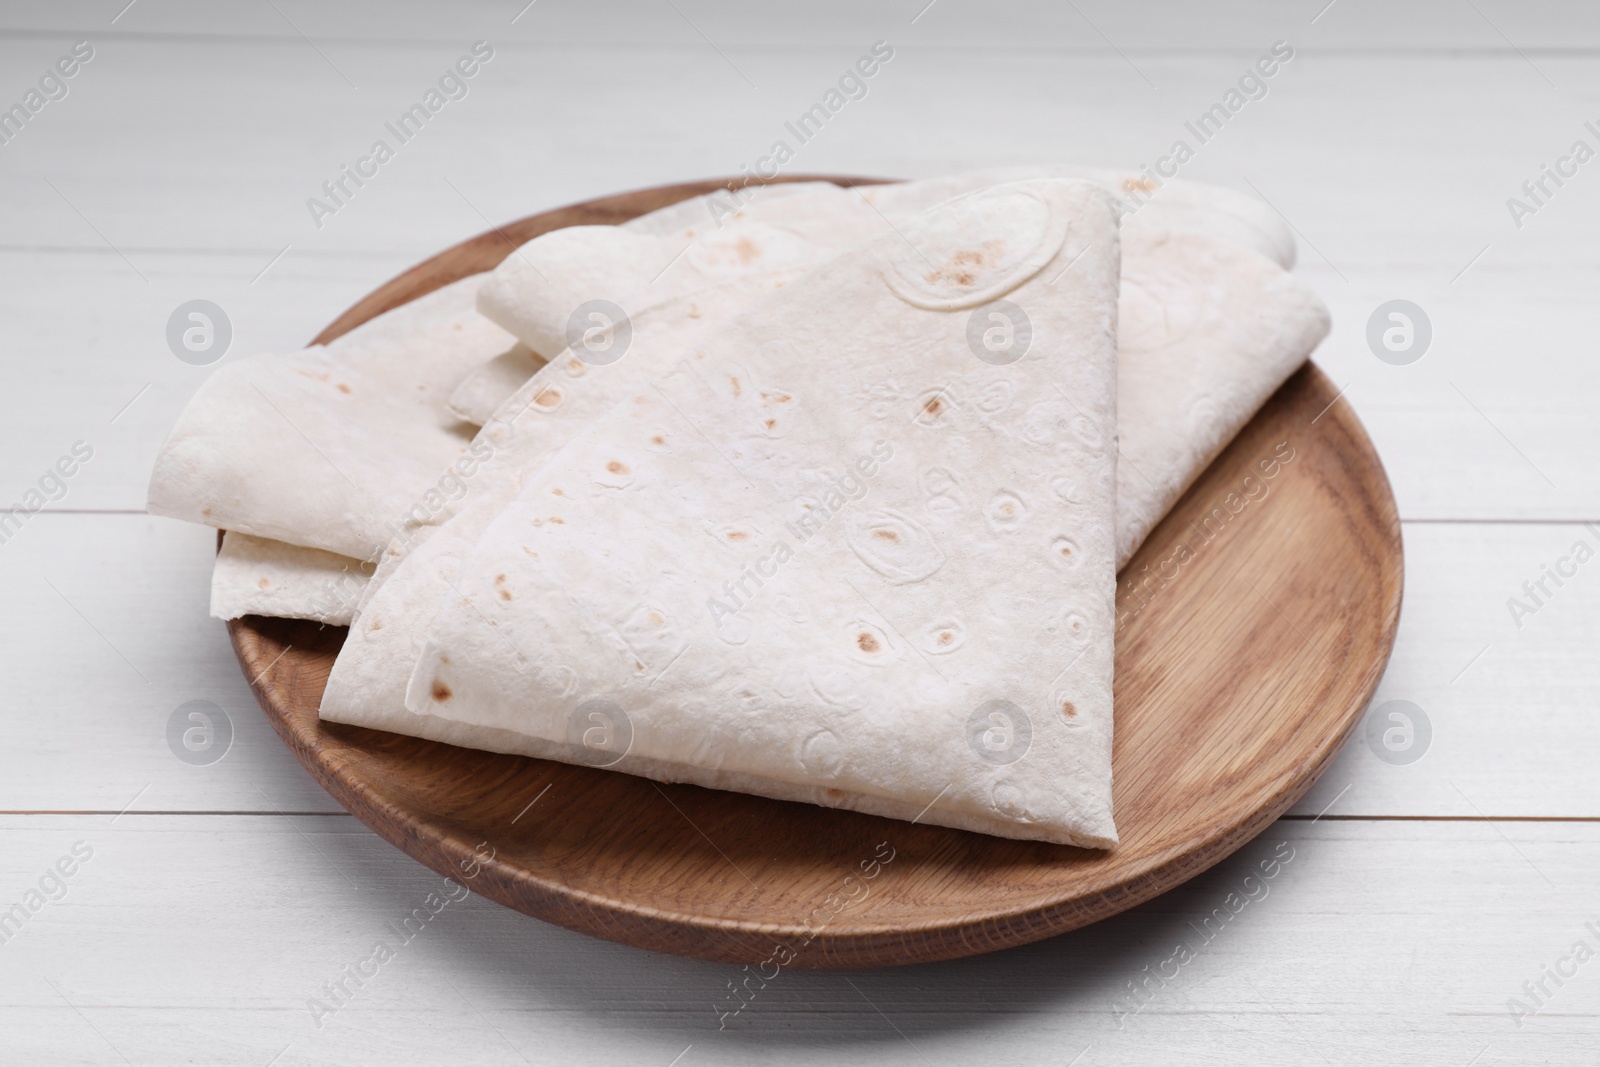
{"x":332,"y":446}
{"x":545,"y":288}
{"x":1210,"y":326}
{"x":415,"y":574}
{"x":406,"y":362}
{"x":855,"y":549}
{"x":1186,"y":382}
{"x":308,"y":584}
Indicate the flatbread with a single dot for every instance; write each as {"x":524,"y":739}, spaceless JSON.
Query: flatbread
{"x":535,"y":293}
{"x":939,"y":642}
{"x":310,"y":583}
{"x":257,"y":576}
{"x":1141,"y":201}
{"x":488,"y":386}
{"x":1209,"y":330}
{"x":1208,"y":333}
{"x":555,"y":286}
{"x":333,"y":446}
{"x":1140,"y":204}
{"x":299,"y":579}
{"x":415,"y":575}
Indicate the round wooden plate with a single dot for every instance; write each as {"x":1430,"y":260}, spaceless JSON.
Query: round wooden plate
{"x":1255,"y":623}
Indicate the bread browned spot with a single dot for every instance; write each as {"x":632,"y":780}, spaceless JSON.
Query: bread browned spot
{"x":738,"y":535}
{"x":866,"y":642}
{"x":343,"y":388}
{"x":441,"y":692}
{"x":263,"y":583}
{"x":737,"y":388}
{"x":886,"y":535}
{"x":933,"y":406}
{"x":617,"y":467}
{"x":1068,"y":708}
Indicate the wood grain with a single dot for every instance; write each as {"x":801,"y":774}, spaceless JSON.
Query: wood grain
{"x":1240,"y":672}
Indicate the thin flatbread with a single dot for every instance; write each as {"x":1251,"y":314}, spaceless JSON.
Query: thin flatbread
{"x":415,"y":574}
{"x":841,"y":553}
{"x":1141,"y":201}
{"x":1209,"y":330}
{"x":550,"y":282}
{"x":258,"y":576}
{"x":554,"y":288}
{"x":488,"y":385}
{"x":332,"y":447}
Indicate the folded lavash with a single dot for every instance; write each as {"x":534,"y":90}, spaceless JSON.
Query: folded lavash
{"x":331,"y":446}
{"x":1160,"y":453}
{"x":1212,"y":330}
{"x":566,"y":397}
{"x":1237,"y":326}
{"x":260,"y":576}
{"x":984,"y":541}
{"x":319,"y":453}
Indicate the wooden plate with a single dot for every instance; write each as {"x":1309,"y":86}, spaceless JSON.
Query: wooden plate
{"x":1255,"y":623}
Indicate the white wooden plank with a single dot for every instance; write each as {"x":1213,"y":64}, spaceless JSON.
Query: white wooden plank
{"x":1333,"y":145}
{"x":1375,"y":943}
{"x":1486,"y":424}
{"x":106,"y":636}
{"x":1511,"y":709}
{"x":1432,"y":25}
{"x":86,"y":355}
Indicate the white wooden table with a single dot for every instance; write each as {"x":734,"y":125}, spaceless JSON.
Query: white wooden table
{"x":217,"y":900}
